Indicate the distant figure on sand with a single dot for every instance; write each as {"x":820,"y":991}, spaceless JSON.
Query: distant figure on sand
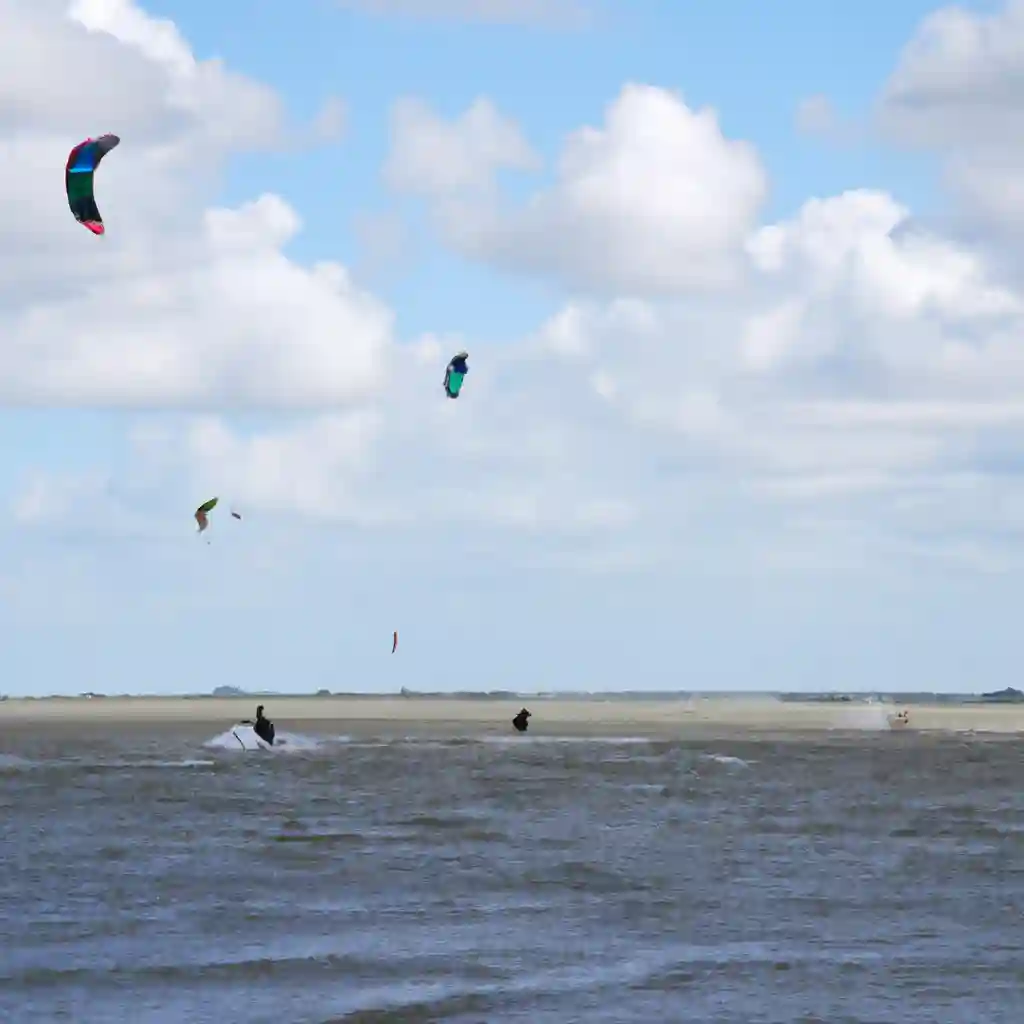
{"x":522,"y":720}
{"x":900,"y":720}
{"x":263,"y":727}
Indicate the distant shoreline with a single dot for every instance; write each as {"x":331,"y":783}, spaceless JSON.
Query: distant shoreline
{"x":578,"y":715}
{"x":869,"y":698}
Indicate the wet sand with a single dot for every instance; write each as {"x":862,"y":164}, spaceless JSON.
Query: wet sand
{"x":559,"y":717}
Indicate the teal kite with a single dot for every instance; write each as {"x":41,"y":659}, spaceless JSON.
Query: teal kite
{"x":454,"y":374}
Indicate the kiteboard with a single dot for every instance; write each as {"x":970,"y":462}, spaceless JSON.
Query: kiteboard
{"x":247,"y":738}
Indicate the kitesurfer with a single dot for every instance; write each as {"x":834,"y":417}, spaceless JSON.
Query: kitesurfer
{"x":522,"y":720}
{"x":263,"y":727}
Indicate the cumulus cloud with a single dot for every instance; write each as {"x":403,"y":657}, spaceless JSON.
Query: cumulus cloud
{"x":958,"y":90}
{"x":436,"y":158}
{"x":180,"y":304}
{"x":410,"y":461}
{"x":841,"y":366}
{"x":655,"y":201}
{"x":958,"y":80}
{"x":863,"y":388}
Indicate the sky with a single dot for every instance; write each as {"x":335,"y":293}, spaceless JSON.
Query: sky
{"x":741,"y":291}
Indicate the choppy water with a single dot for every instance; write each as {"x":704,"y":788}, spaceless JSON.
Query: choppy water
{"x":872,"y":878}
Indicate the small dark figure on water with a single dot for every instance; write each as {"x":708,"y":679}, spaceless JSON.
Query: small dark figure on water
{"x":522,"y":720}
{"x":263,"y":727}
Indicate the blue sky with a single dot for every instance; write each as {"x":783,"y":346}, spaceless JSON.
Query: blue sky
{"x":755,"y":78}
{"x":602,"y":520}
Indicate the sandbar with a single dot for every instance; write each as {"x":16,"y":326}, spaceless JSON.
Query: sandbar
{"x":398,"y":715}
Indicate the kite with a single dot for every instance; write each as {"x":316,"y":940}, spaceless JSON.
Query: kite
{"x":454,"y":374}
{"x":394,"y":643}
{"x":78,"y":180}
{"x":236,"y":515}
{"x":207,"y":506}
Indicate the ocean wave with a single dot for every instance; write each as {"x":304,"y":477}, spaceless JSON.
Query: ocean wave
{"x":727,"y":759}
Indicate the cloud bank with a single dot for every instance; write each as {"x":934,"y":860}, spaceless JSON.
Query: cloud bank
{"x":840,"y":386}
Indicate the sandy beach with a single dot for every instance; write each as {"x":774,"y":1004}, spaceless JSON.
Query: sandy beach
{"x":551,"y":717}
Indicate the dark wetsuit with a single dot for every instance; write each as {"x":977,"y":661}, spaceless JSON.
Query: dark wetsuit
{"x":522,"y":720}
{"x":263,"y":727}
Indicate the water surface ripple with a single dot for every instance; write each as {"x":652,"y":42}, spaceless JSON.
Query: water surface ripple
{"x":867,"y":878}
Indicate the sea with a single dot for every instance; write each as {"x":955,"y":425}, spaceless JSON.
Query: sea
{"x":170,"y":876}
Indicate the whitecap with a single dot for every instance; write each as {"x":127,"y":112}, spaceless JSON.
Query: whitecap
{"x":727,"y":759}
{"x":243,"y":737}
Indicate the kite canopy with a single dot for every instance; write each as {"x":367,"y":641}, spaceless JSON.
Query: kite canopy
{"x":78,"y":180}
{"x":394,"y":643}
{"x":454,"y":374}
{"x":201,"y":517}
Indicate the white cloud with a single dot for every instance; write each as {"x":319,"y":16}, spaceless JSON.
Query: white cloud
{"x":179,"y":304}
{"x":435,"y":158}
{"x":410,"y":460}
{"x":222,"y":106}
{"x":841,"y":366}
{"x":851,"y":242}
{"x":958,"y":89}
{"x":656,"y":201}
{"x":959,"y":78}
{"x":229,"y":321}
{"x":306,"y":469}
{"x":842,"y":398}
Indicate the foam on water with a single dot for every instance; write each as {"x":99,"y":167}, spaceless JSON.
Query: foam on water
{"x":737,"y":762}
{"x":242,"y":738}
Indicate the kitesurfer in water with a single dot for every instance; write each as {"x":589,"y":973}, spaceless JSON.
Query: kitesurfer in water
{"x":263,"y":727}
{"x":522,"y":720}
